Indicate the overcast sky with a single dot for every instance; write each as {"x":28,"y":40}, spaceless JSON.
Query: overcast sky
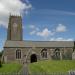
{"x":43,"y":20}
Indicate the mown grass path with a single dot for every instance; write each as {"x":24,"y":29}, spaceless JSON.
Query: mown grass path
{"x":24,"y":70}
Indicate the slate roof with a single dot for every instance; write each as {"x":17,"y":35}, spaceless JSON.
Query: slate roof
{"x":39,"y":44}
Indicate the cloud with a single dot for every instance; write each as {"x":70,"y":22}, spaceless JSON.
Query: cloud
{"x":61,"y":39}
{"x":45,"y":33}
{"x":32,"y":26}
{"x":27,"y":1}
{"x":11,"y":6}
{"x":61,"y":28}
{"x":33,"y":32}
{"x":34,"y":29}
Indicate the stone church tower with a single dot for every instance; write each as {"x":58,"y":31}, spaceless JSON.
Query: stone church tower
{"x":15,"y":28}
{"x":17,"y":49}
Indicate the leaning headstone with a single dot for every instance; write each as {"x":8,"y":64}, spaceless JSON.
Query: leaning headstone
{"x":73,"y":55}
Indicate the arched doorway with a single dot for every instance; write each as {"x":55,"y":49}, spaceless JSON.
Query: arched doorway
{"x":33,"y":58}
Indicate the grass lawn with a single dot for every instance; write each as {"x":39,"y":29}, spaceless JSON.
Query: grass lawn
{"x":9,"y":68}
{"x":52,"y":66}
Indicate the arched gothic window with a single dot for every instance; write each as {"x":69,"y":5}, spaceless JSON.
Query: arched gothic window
{"x":44,"y":53}
{"x":18,"y":54}
{"x":57,"y":53}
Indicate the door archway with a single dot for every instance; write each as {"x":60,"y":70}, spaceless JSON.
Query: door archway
{"x":33,"y":58}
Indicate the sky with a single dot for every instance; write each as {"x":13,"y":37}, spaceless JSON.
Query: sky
{"x":42,"y":20}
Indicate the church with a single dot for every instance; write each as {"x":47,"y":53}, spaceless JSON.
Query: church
{"x":23,"y":51}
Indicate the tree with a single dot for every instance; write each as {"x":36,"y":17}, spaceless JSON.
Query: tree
{"x":0,"y":64}
{"x":1,"y":54}
{"x":74,"y":46}
{"x":0,"y":58}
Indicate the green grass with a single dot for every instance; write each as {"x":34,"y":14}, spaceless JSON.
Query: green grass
{"x":52,"y":66}
{"x":9,"y":68}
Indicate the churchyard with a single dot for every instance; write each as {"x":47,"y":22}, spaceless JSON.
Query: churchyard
{"x":54,"y":66}
{"x":47,"y":66}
